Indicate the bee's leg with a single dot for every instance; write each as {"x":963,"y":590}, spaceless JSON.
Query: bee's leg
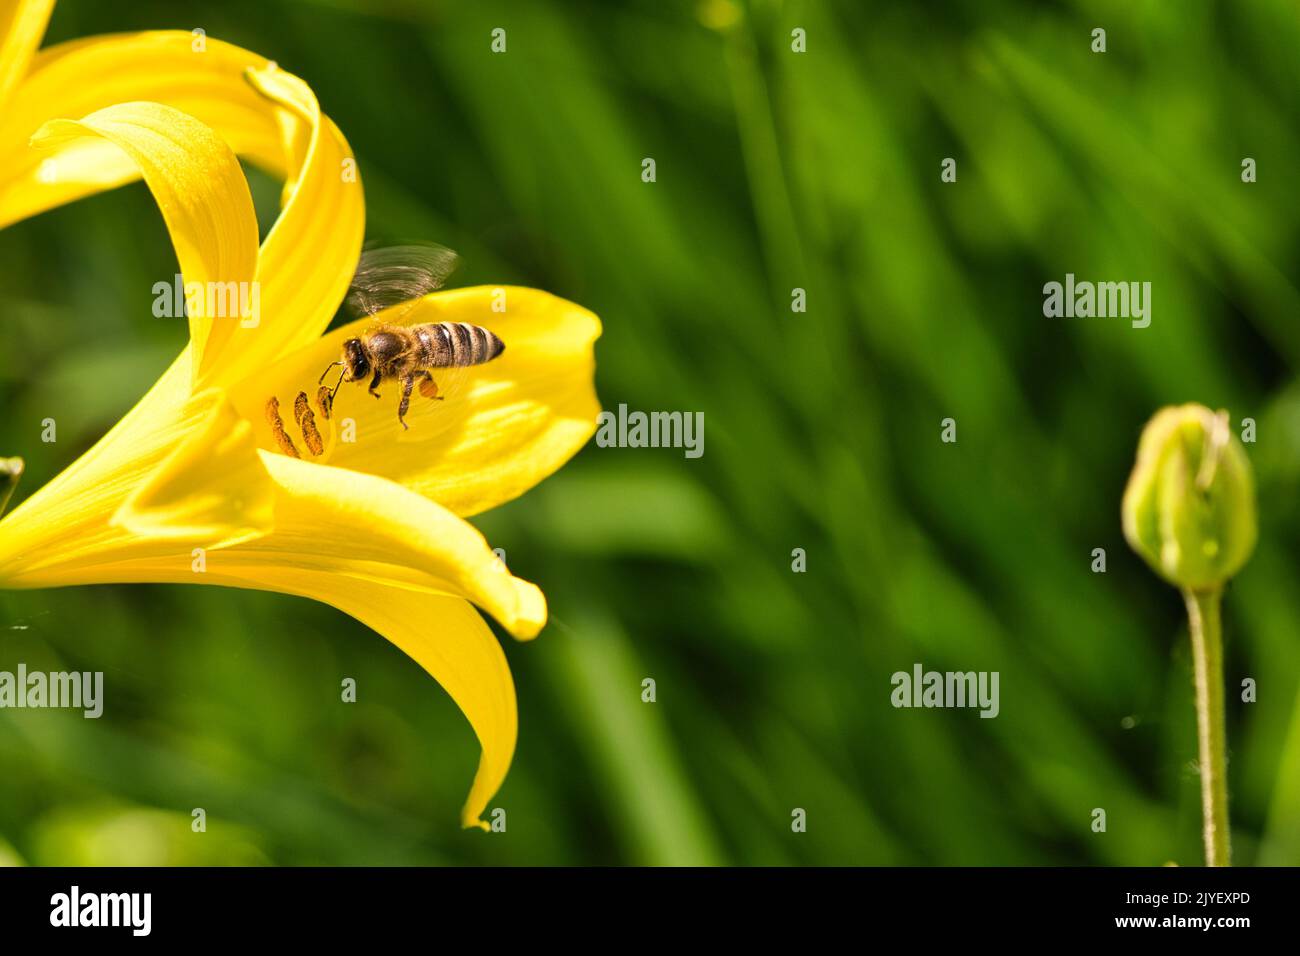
{"x":428,"y":387}
{"x":374,"y":383}
{"x":408,"y":383}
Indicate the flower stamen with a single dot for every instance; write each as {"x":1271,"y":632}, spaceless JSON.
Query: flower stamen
{"x":277,"y":428}
{"x":306,"y":419}
{"x":325,"y":401}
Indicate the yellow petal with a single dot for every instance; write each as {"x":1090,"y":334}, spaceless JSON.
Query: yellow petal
{"x":308,"y":258}
{"x":513,"y":421}
{"x":264,"y":114}
{"x":371,"y":549}
{"x":174,"y":474}
{"x":201,"y":191}
{"x":212,"y":490}
{"x":446,"y":637}
{"x":386,"y":556}
{"x":22,"y":24}
{"x":326,"y":520}
{"x":331,"y":519}
{"x":82,"y":76}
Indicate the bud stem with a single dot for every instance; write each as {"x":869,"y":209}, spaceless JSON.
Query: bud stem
{"x":1207,"y":662}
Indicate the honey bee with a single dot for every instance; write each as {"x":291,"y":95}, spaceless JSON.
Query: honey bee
{"x":409,"y":353}
{"x":388,"y":275}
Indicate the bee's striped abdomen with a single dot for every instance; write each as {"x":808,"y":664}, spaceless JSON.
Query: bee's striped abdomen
{"x":450,"y":344}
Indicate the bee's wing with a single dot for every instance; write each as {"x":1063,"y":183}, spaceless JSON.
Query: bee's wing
{"x":388,"y":275}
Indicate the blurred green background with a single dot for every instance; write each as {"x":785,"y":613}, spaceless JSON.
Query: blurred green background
{"x":775,"y":170}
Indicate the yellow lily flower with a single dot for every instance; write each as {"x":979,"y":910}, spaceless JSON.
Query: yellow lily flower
{"x":191,"y":486}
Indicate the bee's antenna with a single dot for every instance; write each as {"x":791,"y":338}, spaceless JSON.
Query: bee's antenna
{"x":326,"y":372}
{"x":338,"y":384}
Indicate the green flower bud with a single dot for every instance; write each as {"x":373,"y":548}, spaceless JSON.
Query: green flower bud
{"x":11,"y":469}
{"x":1189,"y":508}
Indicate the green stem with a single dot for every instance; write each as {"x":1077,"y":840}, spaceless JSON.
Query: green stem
{"x":1207,"y":662}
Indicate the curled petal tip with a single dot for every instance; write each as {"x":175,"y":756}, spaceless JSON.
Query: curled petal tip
{"x":54,"y":133}
{"x":530,"y":613}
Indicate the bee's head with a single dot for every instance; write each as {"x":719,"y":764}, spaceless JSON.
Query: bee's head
{"x":356,"y":363}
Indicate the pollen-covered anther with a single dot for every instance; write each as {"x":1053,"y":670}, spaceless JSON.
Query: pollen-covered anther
{"x":306,"y":419}
{"x":277,"y":428}
{"x":325,"y":402}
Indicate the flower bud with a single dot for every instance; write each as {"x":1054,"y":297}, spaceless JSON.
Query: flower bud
{"x":1189,"y":508}
{"x":11,"y":469}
